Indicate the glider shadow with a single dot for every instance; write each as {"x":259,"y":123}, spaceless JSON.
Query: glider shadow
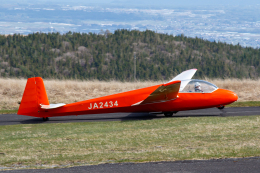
{"x":122,"y":118}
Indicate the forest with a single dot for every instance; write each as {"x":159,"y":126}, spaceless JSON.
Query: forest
{"x":111,"y":56}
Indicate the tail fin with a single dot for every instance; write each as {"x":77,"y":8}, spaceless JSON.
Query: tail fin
{"x":34,"y":95}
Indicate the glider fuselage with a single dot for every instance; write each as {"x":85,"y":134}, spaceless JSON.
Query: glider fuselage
{"x":118,"y":103}
{"x":179,"y":94}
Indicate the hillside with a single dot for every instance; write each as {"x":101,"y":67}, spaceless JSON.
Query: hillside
{"x":111,"y":56}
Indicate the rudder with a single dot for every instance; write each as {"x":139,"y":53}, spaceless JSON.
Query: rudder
{"x":34,"y":95}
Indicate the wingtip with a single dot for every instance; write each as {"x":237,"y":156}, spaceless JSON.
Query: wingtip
{"x":189,"y":70}
{"x":188,"y":74}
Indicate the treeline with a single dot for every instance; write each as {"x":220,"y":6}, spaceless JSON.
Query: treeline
{"x":111,"y":56}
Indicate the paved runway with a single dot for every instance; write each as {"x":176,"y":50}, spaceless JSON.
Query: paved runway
{"x":242,"y":165}
{"x":11,"y":119}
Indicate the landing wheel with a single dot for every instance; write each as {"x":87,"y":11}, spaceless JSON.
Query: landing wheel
{"x":221,"y":107}
{"x":45,"y":119}
{"x":168,"y":114}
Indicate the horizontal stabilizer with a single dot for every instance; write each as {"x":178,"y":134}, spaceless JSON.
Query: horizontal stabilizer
{"x":165,"y":92}
{"x":52,"y":106}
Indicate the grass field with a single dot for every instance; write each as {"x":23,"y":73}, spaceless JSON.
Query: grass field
{"x":167,"y":139}
{"x":68,"y":91}
{"x":8,"y":111}
{"x":245,"y":104}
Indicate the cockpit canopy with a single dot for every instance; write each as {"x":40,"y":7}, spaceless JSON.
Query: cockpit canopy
{"x":197,"y":86}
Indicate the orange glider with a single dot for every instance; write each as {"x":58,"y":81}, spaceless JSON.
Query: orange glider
{"x":179,"y":94}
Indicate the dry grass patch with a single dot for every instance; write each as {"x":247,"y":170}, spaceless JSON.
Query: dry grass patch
{"x":68,"y":91}
{"x":165,"y":139}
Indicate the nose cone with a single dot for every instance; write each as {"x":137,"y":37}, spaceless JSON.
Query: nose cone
{"x":230,"y":96}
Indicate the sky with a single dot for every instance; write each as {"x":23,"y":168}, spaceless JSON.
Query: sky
{"x":127,"y":3}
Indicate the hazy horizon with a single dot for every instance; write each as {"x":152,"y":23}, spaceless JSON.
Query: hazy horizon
{"x":148,"y":3}
{"x":233,"y":21}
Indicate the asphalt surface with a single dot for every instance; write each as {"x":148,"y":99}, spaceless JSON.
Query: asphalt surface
{"x":11,"y":119}
{"x":243,"y":165}
{"x":221,"y":165}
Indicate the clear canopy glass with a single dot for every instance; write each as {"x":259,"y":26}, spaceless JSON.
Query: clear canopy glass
{"x":198,"y":86}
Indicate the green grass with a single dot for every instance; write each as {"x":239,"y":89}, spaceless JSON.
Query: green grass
{"x":167,"y":139}
{"x":245,"y":104}
{"x":8,"y":111}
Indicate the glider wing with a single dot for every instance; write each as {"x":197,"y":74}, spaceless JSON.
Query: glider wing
{"x":184,"y":77}
{"x":188,"y":74}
